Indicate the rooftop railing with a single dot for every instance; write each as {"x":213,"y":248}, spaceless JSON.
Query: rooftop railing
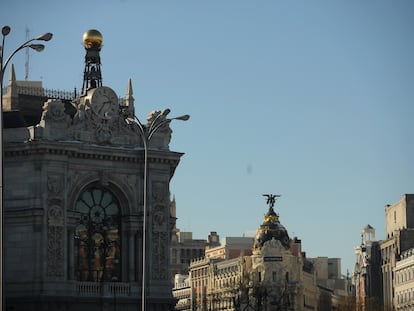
{"x":49,"y":93}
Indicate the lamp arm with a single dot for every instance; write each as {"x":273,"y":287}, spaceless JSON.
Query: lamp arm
{"x":154,"y":123}
{"x":154,"y":129}
{"x":1,"y":58}
{"x":24,"y":45}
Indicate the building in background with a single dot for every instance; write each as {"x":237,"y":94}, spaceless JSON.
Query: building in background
{"x":231,"y":247}
{"x":273,"y":274}
{"x":23,"y":103}
{"x":73,"y":198}
{"x":404,"y":282}
{"x":184,"y":248}
{"x":182,"y":292}
{"x":367,"y":276}
{"x":399,"y":221}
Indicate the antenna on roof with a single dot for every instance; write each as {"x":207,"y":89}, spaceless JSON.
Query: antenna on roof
{"x":26,"y":75}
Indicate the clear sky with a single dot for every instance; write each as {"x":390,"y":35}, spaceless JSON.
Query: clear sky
{"x":313,"y":100}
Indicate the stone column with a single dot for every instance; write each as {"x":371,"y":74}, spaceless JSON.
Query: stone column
{"x":131,"y":253}
{"x":73,"y":219}
{"x":71,"y":257}
{"x":138,"y":257}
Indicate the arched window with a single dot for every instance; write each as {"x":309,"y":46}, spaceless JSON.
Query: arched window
{"x":97,"y":237}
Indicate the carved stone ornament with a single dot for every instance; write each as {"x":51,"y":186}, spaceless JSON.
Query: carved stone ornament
{"x":159,"y":191}
{"x":159,"y":256}
{"x":159,"y":220}
{"x":55,"y":184}
{"x":54,"y":122}
{"x":55,"y":260}
{"x":54,"y":111}
{"x":55,"y":216}
{"x":94,"y":123}
{"x":159,"y":243}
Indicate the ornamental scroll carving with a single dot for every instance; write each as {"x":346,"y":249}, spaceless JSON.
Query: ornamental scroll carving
{"x":55,"y":226}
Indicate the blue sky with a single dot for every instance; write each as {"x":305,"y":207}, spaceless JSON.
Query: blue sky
{"x":312,"y":100}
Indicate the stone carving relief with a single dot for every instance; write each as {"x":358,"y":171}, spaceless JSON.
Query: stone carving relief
{"x":91,"y":127}
{"x":54,"y":184}
{"x":55,"y":229}
{"x":159,"y":192}
{"x":159,"y":256}
{"x":54,"y":121}
{"x":54,"y":111}
{"x":79,"y":120}
{"x":55,"y":225}
{"x":159,"y":221}
{"x":55,"y":216}
{"x":160,"y":245}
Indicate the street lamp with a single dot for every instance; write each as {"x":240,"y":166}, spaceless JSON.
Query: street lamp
{"x":147,"y":132}
{"x":3,"y":65}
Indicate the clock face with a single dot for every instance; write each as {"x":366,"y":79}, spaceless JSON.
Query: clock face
{"x":104,"y":102}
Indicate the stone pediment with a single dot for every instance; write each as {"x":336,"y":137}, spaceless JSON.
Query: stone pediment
{"x":92,"y":128}
{"x":120,"y":129}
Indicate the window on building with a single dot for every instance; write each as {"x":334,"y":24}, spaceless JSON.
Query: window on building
{"x":174,"y":256}
{"x":97,"y":237}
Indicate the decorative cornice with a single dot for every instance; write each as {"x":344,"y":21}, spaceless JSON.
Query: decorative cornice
{"x":92,"y":152}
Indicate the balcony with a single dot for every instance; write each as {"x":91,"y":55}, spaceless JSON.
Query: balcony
{"x":106,"y":289}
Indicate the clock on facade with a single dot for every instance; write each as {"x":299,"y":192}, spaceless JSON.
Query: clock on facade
{"x":103,"y":102}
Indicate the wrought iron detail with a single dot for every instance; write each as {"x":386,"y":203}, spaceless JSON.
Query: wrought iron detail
{"x":52,"y":93}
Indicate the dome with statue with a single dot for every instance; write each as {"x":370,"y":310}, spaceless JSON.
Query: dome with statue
{"x":271,"y":228}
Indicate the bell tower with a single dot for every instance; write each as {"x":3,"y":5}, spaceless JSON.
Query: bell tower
{"x":92,"y":76}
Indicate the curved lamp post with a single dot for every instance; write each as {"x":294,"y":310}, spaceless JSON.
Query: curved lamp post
{"x":3,"y":65}
{"x":147,"y":132}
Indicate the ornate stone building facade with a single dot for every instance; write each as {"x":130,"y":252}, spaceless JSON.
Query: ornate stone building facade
{"x":74,"y":204}
{"x":274,"y":277}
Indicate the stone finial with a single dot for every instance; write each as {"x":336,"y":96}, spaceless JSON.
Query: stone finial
{"x":129,"y":99}
{"x":12,"y":74}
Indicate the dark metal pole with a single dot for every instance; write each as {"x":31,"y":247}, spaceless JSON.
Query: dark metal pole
{"x":146,"y":133}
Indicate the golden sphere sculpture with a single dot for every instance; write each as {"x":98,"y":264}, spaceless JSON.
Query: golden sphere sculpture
{"x":92,"y":39}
